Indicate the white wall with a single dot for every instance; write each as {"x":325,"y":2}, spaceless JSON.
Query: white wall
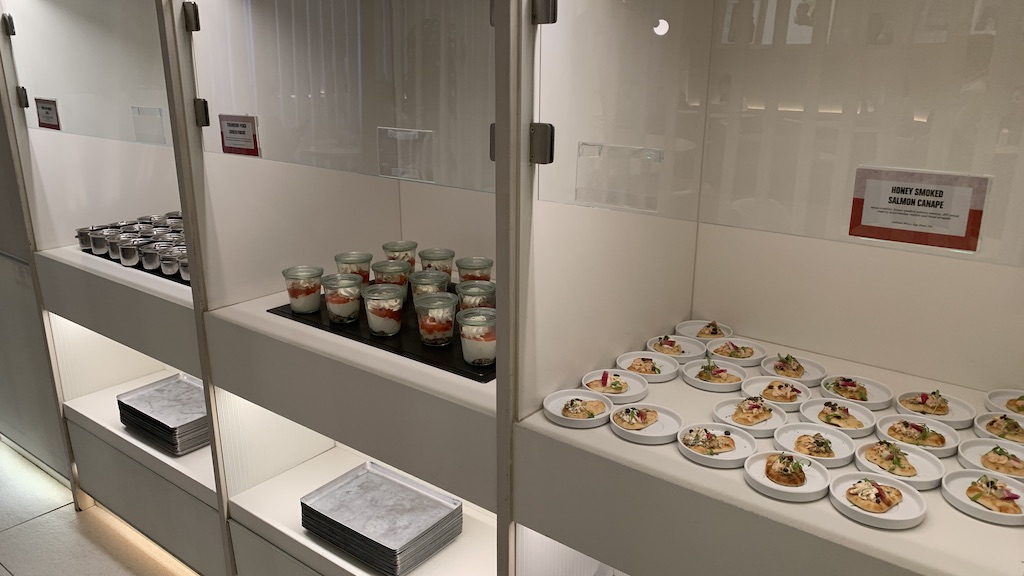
{"x":441,"y":217}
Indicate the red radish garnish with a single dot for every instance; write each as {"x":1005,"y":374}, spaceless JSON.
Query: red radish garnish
{"x":924,"y":398}
{"x":1007,"y":495}
{"x":881,"y":493}
{"x":604,"y":379}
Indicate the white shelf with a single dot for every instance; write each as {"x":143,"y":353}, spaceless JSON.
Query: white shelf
{"x":271,"y":510}
{"x":702,"y":514}
{"x":145,"y":312}
{"x":97,"y":413}
{"x":281,"y":364}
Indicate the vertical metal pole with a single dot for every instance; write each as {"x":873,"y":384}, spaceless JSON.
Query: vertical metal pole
{"x":16,"y":133}
{"x":179,"y":73}
{"x":514,"y":40}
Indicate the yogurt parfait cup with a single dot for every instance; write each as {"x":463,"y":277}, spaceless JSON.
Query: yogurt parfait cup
{"x":404,"y":250}
{"x":428,"y":282}
{"x":474,"y":268}
{"x":99,"y":240}
{"x":83,"y":236}
{"x":437,"y":259}
{"x":150,"y":254}
{"x":355,"y":263}
{"x":169,"y":259}
{"x":341,"y":292}
{"x":436,"y":316}
{"x":476,"y":294}
{"x":479,"y":336}
{"x":303,"y":283}
{"x":384,"y":308}
{"x":391,"y":272}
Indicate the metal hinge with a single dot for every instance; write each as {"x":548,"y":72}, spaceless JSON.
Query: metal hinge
{"x":542,"y":143}
{"x":492,"y":141}
{"x":202,"y":112}
{"x":7,"y":22}
{"x":22,"y":96}
{"x":543,"y":12}
{"x":191,"y":16}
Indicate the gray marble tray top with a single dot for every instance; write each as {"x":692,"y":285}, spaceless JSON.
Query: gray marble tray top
{"x":173,"y":401}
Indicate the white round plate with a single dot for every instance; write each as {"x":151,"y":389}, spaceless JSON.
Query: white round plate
{"x":637,"y":385}
{"x":929,"y":469}
{"x":843,"y":446}
{"x":970,"y":452}
{"x":813,"y":489}
{"x":692,"y":368}
{"x":754,"y":360}
{"x":691,"y":327}
{"x":996,"y":400}
{"x":725,"y":408}
{"x":809,"y":413}
{"x":907,"y":514}
{"x":755,"y":385}
{"x":663,"y":431}
{"x":983,"y":419}
{"x":813,"y":372}
{"x":954,"y":490}
{"x":961,"y":414}
{"x":745,"y":446}
{"x":952,"y":436}
{"x":692,"y":348}
{"x":879,"y":395}
{"x":556,"y":400}
{"x":669,"y":367}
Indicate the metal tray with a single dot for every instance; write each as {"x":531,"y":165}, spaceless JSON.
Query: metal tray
{"x":382,"y":506}
{"x":173,"y":402}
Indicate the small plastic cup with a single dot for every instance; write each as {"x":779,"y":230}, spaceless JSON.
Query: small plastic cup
{"x":341,"y":292}
{"x":479,"y":337}
{"x":150,"y":254}
{"x":355,"y":263}
{"x":99,"y":240}
{"x":303,"y":284}
{"x":183,"y":269}
{"x":437,"y":259}
{"x":428,"y":282}
{"x":474,"y":268}
{"x":83,"y":236}
{"x":391,"y":272}
{"x":169,"y":259}
{"x":131,"y":250}
{"x":384,"y":308}
{"x":476,"y":294}
{"x":114,"y":246}
{"x":436,"y":316}
{"x":404,"y":250}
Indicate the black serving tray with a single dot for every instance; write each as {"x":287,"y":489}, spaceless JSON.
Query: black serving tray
{"x":156,"y":271}
{"x":406,"y":343}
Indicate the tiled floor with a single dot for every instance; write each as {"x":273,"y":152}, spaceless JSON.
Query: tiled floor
{"x":42,"y":535}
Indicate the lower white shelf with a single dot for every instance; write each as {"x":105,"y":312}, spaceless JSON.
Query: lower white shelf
{"x":97,"y":413}
{"x":271,"y":511}
{"x":705,"y":516}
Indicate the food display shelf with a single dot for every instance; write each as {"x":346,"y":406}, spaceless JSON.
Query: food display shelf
{"x":271,"y":511}
{"x":683,"y":513}
{"x":141,"y":311}
{"x":366,"y":398}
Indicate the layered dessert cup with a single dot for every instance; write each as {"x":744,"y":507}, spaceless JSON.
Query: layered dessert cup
{"x":474,"y":268}
{"x":384,"y":308}
{"x":355,"y":263}
{"x":341,"y":293}
{"x":428,"y":282}
{"x":479,"y":337}
{"x":303,"y":283}
{"x":476,"y":294}
{"x":436,"y":315}
{"x":438,"y":259}
{"x":404,"y":250}
{"x":391,"y":272}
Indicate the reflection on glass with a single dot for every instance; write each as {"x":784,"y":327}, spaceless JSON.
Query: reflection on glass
{"x":323,"y":76}
{"x":621,"y":95}
{"x":789,"y":124}
{"x":100,"y":59}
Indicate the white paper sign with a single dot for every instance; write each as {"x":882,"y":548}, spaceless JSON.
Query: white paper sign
{"x":46,"y":110}
{"x":238,"y":135}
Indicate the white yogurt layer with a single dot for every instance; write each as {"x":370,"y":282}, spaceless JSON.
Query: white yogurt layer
{"x":382,"y":325}
{"x":479,"y":351}
{"x":344,"y":311}
{"x":305,"y":304}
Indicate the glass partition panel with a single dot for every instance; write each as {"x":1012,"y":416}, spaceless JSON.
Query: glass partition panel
{"x":398,"y":88}
{"x":625,"y":84}
{"x":99,"y":60}
{"x":803,"y":92}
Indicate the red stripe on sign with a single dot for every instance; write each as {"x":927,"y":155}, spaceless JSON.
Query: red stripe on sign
{"x":969,"y":241}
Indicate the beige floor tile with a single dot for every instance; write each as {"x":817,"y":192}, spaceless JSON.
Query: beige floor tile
{"x":4,"y":572}
{"x":25,"y":490}
{"x":89,"y":543}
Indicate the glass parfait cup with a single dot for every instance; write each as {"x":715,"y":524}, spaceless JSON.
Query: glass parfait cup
{"x":355,"y":263}
{"x":404,"y":250}
{"x":169,"y":259}
{"x":99,"y":240}
{"x":183,"y":268}
{"x":150,"y":254}
{"x":428,"y":282}
{"x":383,"y":304}
{"x":83,"y":236}
{"x":435,"y":314}
{"x":437,"y":259}
{"x":341,"y":292}
{"x":474,"y":268}
{"x":303,"y":283}
{"x":476,"y":294}
{"x":478,"y":334}
{"x":391,"y":272}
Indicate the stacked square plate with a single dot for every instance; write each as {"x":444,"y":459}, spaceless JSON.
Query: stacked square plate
{"x":391,"y":522}
{"x":170,"y":413}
